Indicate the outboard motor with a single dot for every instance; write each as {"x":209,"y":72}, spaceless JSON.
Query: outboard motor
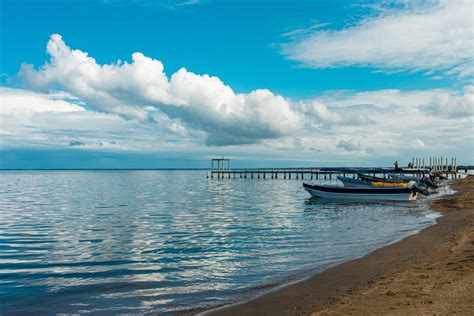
{"x":415,"y":188}
{"x":429,"y":182}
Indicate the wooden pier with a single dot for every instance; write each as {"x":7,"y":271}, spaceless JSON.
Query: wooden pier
{"x":436,"y":165}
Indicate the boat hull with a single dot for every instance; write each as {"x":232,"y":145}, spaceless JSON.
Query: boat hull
{"x":378,"y":194}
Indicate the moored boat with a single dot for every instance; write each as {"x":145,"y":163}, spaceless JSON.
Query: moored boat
{"x":427,"y":181}
{"x":359,"y":193}
{"x":423,"y":182}
{"x":366,"y":177}
{"x":357,"y":183}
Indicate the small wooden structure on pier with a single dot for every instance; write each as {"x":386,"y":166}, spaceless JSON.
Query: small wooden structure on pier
{"x":220,"y":166}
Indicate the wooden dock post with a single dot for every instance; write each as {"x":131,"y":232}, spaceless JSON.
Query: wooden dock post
{"x":212,"y":168}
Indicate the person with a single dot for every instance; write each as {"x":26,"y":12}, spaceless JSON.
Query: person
{"x":396,"y":164}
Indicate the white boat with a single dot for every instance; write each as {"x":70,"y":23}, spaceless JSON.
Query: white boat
{"x":358,"y":193}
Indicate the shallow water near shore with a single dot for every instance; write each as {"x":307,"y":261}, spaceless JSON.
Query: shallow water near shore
{"x":164,"y":241}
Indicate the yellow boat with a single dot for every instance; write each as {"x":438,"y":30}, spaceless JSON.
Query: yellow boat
{"x":389,"y":184}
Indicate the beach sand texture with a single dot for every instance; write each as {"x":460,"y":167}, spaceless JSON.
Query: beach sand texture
{"x":431,"y":273}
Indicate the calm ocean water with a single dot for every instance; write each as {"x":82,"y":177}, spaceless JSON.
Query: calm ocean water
{"x":162,"y":241}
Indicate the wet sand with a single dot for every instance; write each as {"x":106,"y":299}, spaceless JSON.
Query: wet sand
{"x":428,"y":273}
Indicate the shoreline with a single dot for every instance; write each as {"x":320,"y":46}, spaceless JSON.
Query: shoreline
{"x":372,"y":283}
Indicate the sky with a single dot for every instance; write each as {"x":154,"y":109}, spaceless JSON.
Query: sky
{"x":173,"y":83}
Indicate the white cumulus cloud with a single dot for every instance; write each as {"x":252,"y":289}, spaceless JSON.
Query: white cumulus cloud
{"x":141,"y":88}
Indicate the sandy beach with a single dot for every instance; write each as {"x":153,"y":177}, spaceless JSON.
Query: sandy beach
{"x":428,"y":273}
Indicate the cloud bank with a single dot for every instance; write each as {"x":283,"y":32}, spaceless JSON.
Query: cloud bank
{"x":73,"y":102}
{"x":429,"y":38}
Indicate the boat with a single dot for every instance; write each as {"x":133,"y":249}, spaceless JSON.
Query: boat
{"x":423,"y":182}
{"x":391,"y":184}
{"x":357,"y":183}
{"x":374,"y":178}
{"x":409,"y":193}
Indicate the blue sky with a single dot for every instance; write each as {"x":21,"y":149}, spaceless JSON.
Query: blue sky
{"x":284,"y":82}
{"x":236,"y":41}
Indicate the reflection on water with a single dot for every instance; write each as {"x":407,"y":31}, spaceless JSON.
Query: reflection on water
{"x":160,"y":241}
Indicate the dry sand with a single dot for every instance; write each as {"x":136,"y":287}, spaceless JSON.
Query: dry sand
{"x":431,"y":273}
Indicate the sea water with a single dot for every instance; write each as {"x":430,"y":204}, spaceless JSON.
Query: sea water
{"x":164,"y":241}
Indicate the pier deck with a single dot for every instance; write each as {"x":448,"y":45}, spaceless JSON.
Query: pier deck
{"x":418,"y":168}
{"x":315,"y":173}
